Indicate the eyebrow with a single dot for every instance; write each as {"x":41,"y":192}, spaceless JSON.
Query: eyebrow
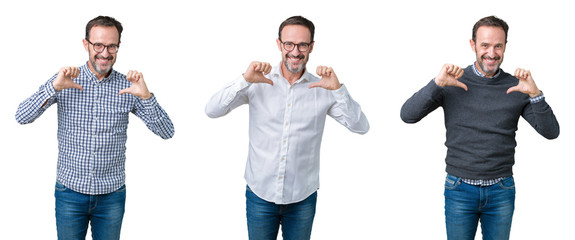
{"x":496,"y":44}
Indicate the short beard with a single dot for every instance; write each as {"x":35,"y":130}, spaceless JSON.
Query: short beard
{"x":483,"y":66}
{"x":292,"y":70}
{"x":97,"y":68}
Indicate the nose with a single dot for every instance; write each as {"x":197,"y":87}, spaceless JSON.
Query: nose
{"x":491,"y":52}
{"x":105,"y":52}
{"x":295,"y":51}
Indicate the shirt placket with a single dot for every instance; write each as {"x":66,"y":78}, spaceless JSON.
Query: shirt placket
{"x":96,"y":101}
{"x":285,"y":142}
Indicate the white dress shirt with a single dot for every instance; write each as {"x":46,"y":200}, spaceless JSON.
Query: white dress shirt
{"x":285,"y":131}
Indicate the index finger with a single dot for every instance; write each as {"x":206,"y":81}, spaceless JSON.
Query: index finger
{"x":458,"y":72}
{"x":67,"y":71}
{"x":267,"y":68}
{"x":132,"y":75}
{"x":517,"y":72}
{"x":319,"y":70}
{"x":522,"y":73}
{"x":454,"y":70}
{"x":324,"y":71}
{"x":262,"y":67}
{"x":75,"y":72}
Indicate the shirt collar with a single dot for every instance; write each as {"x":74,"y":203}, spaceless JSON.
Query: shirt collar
{"x":91,"y":75}
{"x":480,"y":74}
{"x":305,"y":77}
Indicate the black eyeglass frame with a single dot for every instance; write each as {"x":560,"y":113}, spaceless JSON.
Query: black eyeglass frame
{"x":111,"y":48}
{"x":299,"y":46}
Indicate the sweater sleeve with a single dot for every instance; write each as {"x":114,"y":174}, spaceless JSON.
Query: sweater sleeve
{"x":542,"y":119}
{"x":422,"y":103}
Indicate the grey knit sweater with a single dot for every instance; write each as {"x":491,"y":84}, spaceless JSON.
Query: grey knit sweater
{"x":481,"y":123}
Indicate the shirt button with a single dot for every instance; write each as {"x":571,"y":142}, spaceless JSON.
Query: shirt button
{"x":281,"y":177}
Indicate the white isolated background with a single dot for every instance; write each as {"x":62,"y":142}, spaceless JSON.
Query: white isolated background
{"x":387,"y":184}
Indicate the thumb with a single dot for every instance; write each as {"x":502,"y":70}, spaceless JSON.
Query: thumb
{"x":461,"y":85}
{"x":268,"y":81}
{"x":77,"y":86}
{"x":125,"y":90}
{"x":513,"y":89}
{"x":315,"y":84}
{"x":260,"y":78}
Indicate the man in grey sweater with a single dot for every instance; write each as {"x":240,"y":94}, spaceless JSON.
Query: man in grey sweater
{"x":482,"y":105}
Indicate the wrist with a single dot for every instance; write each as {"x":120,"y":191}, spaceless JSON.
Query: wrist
{"x":333,"y":87}
{"x":246,"y":79}
{"x":537,"y":98}
{"x":147,"y":96}
{"x":535,"y":94}
{"x":438,"y":83}
{"x":56,"y":87}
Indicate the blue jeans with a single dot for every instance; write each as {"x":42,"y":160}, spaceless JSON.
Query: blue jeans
{"x":75,"y":210}
{"x":264,"y":218}
{"x":466,"y":205}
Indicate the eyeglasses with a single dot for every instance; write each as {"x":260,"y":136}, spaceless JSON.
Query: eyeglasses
{"x":302,"y":47}
{"x":99,"y":47}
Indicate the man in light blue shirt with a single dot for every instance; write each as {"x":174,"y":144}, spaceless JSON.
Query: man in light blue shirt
{"x":94,"y":102}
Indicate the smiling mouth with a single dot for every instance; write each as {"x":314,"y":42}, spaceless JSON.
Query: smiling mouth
{"x":295,"y":61}
{"x":298,"y":57}
{"x":104,"y":60}
{"x":491,"y":60}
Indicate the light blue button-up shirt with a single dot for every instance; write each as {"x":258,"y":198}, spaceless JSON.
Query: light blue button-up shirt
{"x":92,"y":126}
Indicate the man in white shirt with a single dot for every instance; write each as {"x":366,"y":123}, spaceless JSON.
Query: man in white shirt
{"x":288,"y":108}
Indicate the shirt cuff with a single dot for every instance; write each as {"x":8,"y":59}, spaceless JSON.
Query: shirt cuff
{"x":49,"y":89}
{"x":537,"y":98}
{"x":150,"y":102}
{"x":234,"y":87}
{"x":341,"y":93}
{"x":241,"y":83}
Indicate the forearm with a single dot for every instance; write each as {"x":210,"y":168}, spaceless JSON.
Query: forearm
{"x":155,"y":118}
{"x":421,"y":103}
{"x":230,"y":97}
{"x":348,"y":112}
{"x":541,"y":117}
{"x":33,"y":107}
